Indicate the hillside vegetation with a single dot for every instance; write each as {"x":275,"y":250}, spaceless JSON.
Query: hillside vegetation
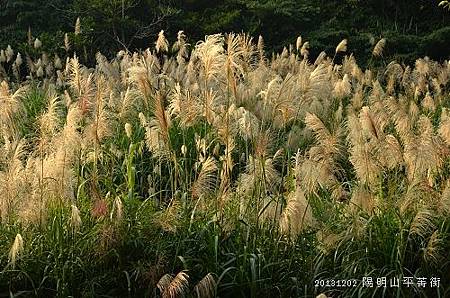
{"x":413,"y":28}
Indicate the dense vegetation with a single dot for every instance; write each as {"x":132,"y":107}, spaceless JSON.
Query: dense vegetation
{"x":131,"y":165}
{"x":220,"y":171}
{"x":413,"y":28}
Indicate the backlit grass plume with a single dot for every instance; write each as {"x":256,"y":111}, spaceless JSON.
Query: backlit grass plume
{"x":379,"y":47}
{"x":172,"y":287}
{"x":16,"y":250}
{"x":206,"y":287}
{"x":297,"y":214}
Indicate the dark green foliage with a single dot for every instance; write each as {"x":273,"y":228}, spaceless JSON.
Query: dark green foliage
{"x":412,"y":28}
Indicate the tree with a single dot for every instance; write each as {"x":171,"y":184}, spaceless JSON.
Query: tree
{"x":113,"y":24}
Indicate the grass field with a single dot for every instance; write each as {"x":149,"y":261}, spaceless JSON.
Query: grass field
{"x":213,"y":170}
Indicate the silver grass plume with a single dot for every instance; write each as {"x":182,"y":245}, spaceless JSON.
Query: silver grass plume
{"x":234,"y":58}
{"x":16,"y":249}
{"x":2,"y":56}
{"x":325,"y":138}
{"x":77,"y":30}
{"x":40,"y":72}
{"x":298,"y":43}
{"x":444,"y":126}
{"x":180,"y":46}
{"x":49,"y":120}
{"x":432,"y":253}
{"x":57,"y":62}
{"x":117,"y":210}
{"x":304,"y":51}
{"x":362,"y":200}
{"x":428,"y":103}
{"x":9,"y":53}
{"x":343,"y":88}
{"x":206,"y":287}
{"x":422,"y":153}
{"x":260,"y":47}
{"x":128,"y":130}
{"x":37,"y":43}
{"x":248,"y":51}
{"x":29,"y":37}
{"x":362,"y":156}
{"x":186,"y":106}
{"x":210,"y":52}
{"x":11,"y":106}
{"x":19,"y":60}
{"x":422,"y":224}
{"x":164,"y":283}
{"x":157,"y":130}
{"x":13,"y":177}
{"x":205,"y":183}
{"x":342,"y":46}
{"x":173,"y":287}
{"x":379,"y":47}
{"x":161,"y":44}
{"x":260,"y":172}
{"x":66,"y":42}
{"x":297,"y":214}
{"x":320,"y":58}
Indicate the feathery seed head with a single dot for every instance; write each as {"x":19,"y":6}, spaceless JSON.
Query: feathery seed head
{"x":164,"y":283}
{"x":181,"y":40}
{"x":260,"y":48}
{"x":57,"y":62}
{"x":379,"y":47}
{"x":183,"y":150}
{"x":298,"y":44}
{"x":297,"y":214}
{"x":9,"y":53}
{"x":162,"y":45}
{"x":142,"y":119}
{"x":128,"y":130}
{"x":304,"y":51}
{"x":29,"y":37}
{"x":260,"y":44}
{"x":173,"y":287}
{"x":181,"y":37}
{"x":40,"y":72}
{"x":432,"y":253}
{"x":66,"y":43}
{"x":206,"y":287}
{"x":342,"y":46}
{"x":19,"y":60}
{"x":206,"y":181}
{"x":37,"y":43}
{"x":77,"y":30}
{"x":428,"y":103}
{"x":16,"y":250}
{"x":423,"y":224}
{"x":343,"y":88}
{"x":2,"y":56}
{"x":320,"y":58}
{"x":211,"y":52}
{"x":117,"y":209}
